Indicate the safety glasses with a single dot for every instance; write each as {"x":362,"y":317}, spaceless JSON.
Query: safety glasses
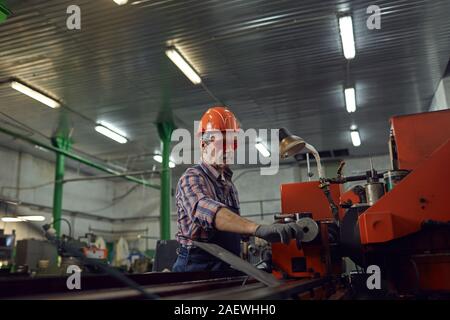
{"x":221,"y":139}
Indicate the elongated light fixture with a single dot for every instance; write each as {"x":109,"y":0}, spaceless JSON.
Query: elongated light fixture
{"x":354,"y":134}
{"x":262,"y":149}
{"x":52,"y":103}
{"x":158,"y":158}
{"x":183,"y":65}
{"x":121,"y":2}
{"x":111,"y":132}
{"x":11,"y":219}
{"x":350,"y":99}
{"x":347,"y":37}
{"x":32,"y":218}
{"x":23,"y":218}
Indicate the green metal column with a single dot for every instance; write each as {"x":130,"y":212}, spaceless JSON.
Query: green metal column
{"x":4,"y":12}
{"x":165,"y":130}
{"x":63,"y":144}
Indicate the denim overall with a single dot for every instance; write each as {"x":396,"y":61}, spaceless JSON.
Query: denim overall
{"x":195,"y":259}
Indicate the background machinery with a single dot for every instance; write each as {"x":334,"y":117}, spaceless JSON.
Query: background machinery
{"x":398,"y":221}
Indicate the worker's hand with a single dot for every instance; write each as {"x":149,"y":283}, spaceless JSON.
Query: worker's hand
{"x":279,"y":232}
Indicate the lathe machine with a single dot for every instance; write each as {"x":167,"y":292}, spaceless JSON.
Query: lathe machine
{"x":398,"y":221}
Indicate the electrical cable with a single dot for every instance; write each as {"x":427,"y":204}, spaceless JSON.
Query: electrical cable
{"x":28,"y":188}
{"x":66,"y":221}
{"x":23,"y":125}
{"x":114,"y":200}
{"x":31,"y":131}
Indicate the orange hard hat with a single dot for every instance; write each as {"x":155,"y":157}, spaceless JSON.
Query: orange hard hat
{"x":218,"y":118}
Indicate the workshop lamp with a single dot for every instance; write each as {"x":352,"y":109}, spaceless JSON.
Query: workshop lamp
{"x":158,"y":158}
{"x":347,"y":36}
{"x":350,"y":99}
{"x":13,"y":217}
{"x":262,"y":149}
{"x":111,"y":132}
{"x":183,"y":65}
{"x":290,"y":145}
{"x":32,"y":93}
{"x":354,"y":134}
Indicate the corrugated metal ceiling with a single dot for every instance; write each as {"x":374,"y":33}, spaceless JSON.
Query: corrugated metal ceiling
{"x":275,"y":63}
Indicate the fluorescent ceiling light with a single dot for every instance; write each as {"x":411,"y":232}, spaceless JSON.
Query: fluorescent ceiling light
{"x":121,"y":2}
{"x":111,"y":132}
{"x":182,"y":64}
{"x":11,"y":219}
{"x":350,"y":99}
{"x":32,"y":218}
{"x":35,"y":94}
{"x":158,"y":158}
{"x":356,"y":138}
{"x":347,"y":37}
{"x":262,"y":149}
{"x":41,"y":148}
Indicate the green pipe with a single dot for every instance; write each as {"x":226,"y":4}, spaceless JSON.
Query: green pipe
{"x":165,"y":132}
{"x":77,"y":158}
{"x":63,"y":144}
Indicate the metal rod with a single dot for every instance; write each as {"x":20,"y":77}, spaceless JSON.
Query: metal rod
{"x":134,"y":173}
{"x":257,"y":201}
{"x":140,"y":236}
{"x":341,"y":180}
{"x":117,"y":231}
{"x":89,"y":216}
{"x":77,"y":158}
{"x":308,"y":166}
{"x":261,"y":210}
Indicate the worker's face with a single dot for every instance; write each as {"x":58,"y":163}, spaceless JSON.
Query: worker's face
{"x":218,"y":148}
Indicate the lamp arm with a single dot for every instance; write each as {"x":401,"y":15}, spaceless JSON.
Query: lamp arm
{"x":315,"y":153}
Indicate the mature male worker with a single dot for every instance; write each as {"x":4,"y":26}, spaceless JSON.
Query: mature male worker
{"x":207,"y":200}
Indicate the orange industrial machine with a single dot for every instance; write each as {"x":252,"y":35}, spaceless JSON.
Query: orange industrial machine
{"x":304,"y":203}
{"x":398,"y":220}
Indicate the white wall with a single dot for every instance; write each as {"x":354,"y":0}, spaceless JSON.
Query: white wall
{"x":28,"y":179}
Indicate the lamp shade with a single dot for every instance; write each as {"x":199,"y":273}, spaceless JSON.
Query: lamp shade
{"x":290,"y":145}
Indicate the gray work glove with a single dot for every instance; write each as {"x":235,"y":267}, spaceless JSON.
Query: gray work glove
{"x":279,"y":232}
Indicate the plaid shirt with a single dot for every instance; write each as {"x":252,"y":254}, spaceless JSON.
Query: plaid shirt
{"x":201,"y":192}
